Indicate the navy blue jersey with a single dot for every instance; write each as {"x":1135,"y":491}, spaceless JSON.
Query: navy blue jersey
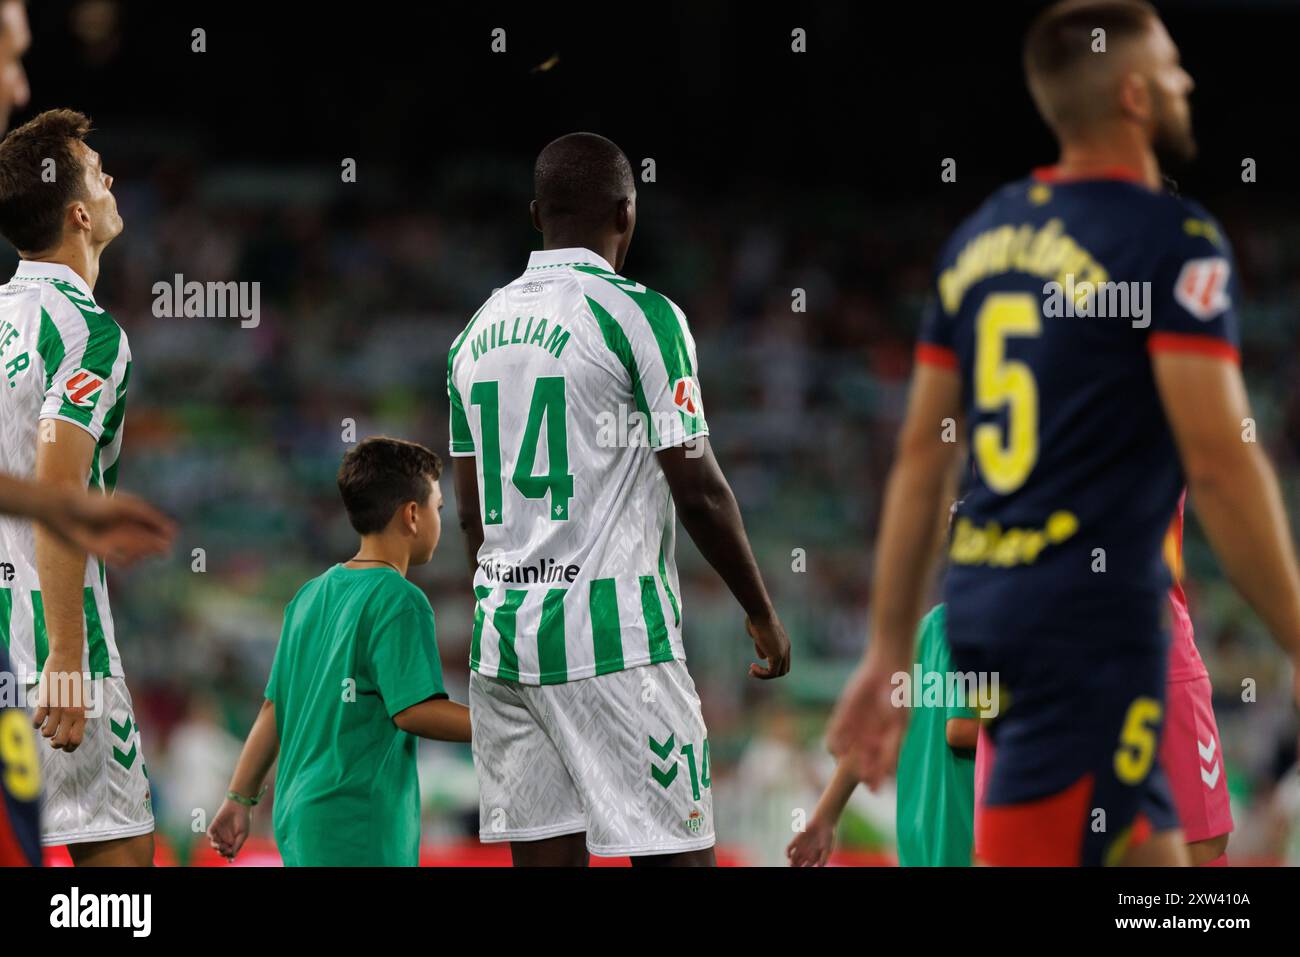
{"x":1049,"y":301}
{"x":20,"y":776}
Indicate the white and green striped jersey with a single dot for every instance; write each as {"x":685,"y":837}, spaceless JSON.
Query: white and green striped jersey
{"x":61,"y":357}
{"x":563,"y":386}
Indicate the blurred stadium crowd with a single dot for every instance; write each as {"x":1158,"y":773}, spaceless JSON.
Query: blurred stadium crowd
{"x":238,"y":432}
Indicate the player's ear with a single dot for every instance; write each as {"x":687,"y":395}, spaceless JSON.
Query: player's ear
{"x":535,"y":216}
{"x":79,"y":216}
{"x":625,"y":214}
{"x":1135,"y":97}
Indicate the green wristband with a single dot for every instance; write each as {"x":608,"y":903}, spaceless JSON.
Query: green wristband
{"x":246,"y":801}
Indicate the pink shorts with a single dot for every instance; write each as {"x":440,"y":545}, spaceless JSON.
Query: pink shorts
{"x":1192,"y":757}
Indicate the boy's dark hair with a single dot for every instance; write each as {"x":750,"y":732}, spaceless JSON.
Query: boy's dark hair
{"x":380,"y":475}
{"x":32,"y":206}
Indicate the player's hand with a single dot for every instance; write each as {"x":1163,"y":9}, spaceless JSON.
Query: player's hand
{"x":812,"y":847}
{"x":866,"y":728}
{"x":120,"y":528}
{"x":771,"y":644}
{"x":61,"y":704}
{"x":230,"y":828}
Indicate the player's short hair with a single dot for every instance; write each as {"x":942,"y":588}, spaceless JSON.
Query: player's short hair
{"x":580,"y":179}
{"x":381,"y":475}
{"x":1060,"y":65}
{"x":32,"y":203}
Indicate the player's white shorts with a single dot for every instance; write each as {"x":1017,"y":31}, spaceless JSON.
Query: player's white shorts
{"x":623,"y":757}
{"x":99,"y":792}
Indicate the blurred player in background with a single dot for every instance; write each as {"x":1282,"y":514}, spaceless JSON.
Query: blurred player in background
{"x":1084,"y":428}
{"x":61,"y":414}
{"x":576,"y":424}
{"x":15,"y":38}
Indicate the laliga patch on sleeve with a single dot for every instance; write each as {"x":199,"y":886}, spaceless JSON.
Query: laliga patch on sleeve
{"x":1202,"y":287}
{"x":686,"y":396}
{"x":82,"y":388}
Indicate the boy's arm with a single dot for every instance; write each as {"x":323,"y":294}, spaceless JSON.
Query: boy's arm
{"x":962,"y":732}
{"x":812,"y":847}
{"x":231,"y":826}
{"x":837,"y":794}
{"x":711,"y":517}
{"x":438,"y":719}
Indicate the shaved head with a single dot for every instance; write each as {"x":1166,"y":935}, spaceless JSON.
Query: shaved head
{"x":1071,"y":82}
{"x":580,"y":180}
{"x":585,"y":196}
{"x":1090,"y":63}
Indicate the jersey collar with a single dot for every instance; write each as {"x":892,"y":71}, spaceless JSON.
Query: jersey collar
{"x":1052,"y":174}
{"x":573,"y":256}
{"x":28,"y":269}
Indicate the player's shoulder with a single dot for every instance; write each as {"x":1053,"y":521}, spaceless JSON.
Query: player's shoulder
{"x":994,"y":210}
{"x":624,"y":296}
{"x":70,"y":309}
{"x":1183,"y":224}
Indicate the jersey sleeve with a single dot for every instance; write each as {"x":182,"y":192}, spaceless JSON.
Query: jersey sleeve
{"x":1195,"y":290}
{"x":462,"y":440}
{"x":272,"y":681}
{"x":403,"y":651}
{"x":87,"y":363}
{"x":669,"y":371}
{"x":935,"y":344}
{"x":651,"y":340}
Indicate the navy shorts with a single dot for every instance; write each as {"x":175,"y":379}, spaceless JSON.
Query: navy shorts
{"x":1076,"y":779}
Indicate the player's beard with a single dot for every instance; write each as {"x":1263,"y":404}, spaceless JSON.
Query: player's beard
{"x":1173,"y":141}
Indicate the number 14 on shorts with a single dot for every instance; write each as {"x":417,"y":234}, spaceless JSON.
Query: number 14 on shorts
{"x":664,"y":775}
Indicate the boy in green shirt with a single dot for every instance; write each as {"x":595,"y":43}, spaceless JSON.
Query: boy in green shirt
{"x":936,"y":778}
{"x":356,"y":678}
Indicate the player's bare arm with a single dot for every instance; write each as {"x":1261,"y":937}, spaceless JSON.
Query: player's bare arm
{"x":1233,"y":486}
{"x":465,"y":477}
{"x":709,"y":513}
{"x":866,"y":728}
{"x":62,"y":463}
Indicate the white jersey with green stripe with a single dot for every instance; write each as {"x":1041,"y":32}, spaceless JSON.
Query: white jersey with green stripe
{"x":61,"y":357}
{"x":563,"y":386}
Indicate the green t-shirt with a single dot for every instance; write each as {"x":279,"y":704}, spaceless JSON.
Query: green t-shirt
{"x":936,"y":785}
{"x":358,"y":646}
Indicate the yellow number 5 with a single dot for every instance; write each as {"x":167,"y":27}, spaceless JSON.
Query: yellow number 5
{"x":1005,"y":382}
{"x":18,"y":758}
{"x":1137,"y":740}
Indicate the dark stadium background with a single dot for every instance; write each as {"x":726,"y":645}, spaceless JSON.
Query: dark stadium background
{"x":774,"y":171}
